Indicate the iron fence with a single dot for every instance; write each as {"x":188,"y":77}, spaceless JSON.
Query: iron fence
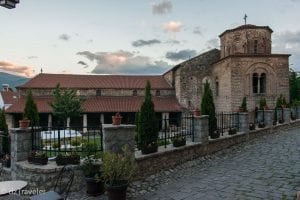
{"x":227,"y":121}
{"x":55,"y":140}
{"x":169,"y":128}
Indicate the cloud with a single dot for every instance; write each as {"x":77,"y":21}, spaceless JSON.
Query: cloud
{"x":32,"y":57}
{"x":82,"y":63}
{"x":16,"y":69}
{"x":181,"y":55}
{"x":288,"y":42}
{"x":212,"y":43}
{"x":198,"y":30}
{"x":124,"y":62}
{"x":172,"y":42}
{"x":64,"y":37}
{"x":140,"y":43}
{"x":162,"y":8}
{"x":90,"y":41}
{"x":172,"y":26}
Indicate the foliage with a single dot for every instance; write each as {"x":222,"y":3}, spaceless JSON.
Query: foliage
{"x":4,"y":129}
{"x":295,"y":103}
{"x":30,"y":110}
{"x":281,"y":101}
{"x":244,"y":105}
{"x":91,"y":167}
{"x":208,"y":108}
{"x":76,"y":142}
{"x":262,"y":103}
{"x":294,"y":85}
{"x":55,"y":145}
{"x":90,"y":148}
{"x":66,"y":104}
{"x":118,"y":167}
{"x":147,"y":129}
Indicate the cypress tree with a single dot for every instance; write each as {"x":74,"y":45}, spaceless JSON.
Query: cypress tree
{"x":244,"y":105}
{"x":30,"y":110}
{"x":4,"y":129}
{"x":208,"y":108}
{"x":147,"y":129}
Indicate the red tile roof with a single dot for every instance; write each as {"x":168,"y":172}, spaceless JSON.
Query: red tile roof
{"x":105,"y":104}
{"x":9,"y":96}
{"x":95,"y":81}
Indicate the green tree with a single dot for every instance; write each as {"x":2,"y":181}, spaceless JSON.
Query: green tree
{"x":4,"y":129}
{"x":147,"y":129}
{"x":244,"y":105}
{"x":66,"y":104}
{"x":294,"y":86}
{"x":30,"y":110}
{"x":208,"y":108}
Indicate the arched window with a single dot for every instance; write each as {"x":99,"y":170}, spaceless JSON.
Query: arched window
{"x":255,"y":83}
{"x":217,"y":86}
{"x":262,"y":82}
{"x":157,"y":93}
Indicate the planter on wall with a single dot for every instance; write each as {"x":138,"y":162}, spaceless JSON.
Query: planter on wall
{"x":24,"y":123}
{"x":116,"y":119}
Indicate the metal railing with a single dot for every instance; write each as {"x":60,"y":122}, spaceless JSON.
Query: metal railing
{"x":169,"y":128}
{"x":227,"y":121}
{"x":55,"y":140}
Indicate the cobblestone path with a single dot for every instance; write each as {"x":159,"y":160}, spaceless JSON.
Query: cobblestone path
{"x":264,"y":168}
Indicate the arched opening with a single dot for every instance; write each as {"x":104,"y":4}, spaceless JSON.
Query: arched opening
{"x":255,"y":83}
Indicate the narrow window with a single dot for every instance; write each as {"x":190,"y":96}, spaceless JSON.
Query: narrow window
{"x":255,"y":46}
{"x":262,"y":84}
{"x":98,"y":92}
{"x":134,"y":93}
{"x":255,"y":83}
{"x":157,"y":93}
{"x":217,"y":86}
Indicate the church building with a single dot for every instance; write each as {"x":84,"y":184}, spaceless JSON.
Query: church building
{"x":244,"y":66}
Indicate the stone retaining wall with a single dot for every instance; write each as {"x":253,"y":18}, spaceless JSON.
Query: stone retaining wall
{"x":169,"y":158}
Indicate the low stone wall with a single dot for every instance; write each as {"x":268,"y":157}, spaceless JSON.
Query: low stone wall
{"x":43,"y":177}
{"x":5,"y":174}
{"x":170,"y":157}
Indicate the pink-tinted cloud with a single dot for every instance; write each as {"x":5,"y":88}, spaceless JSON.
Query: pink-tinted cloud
{"x":16,"y":69}
{"x":172,"y":26}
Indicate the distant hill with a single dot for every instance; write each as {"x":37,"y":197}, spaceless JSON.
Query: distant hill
{"x":12,"y":80}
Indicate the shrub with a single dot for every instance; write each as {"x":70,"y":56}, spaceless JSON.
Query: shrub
{"x":262,"y":103}
{"x":55,"y":145}
{"x":244,"y":105}
{"x":90,"y":148}
{"x":30,"y":110}
{"x":76,"y":141}
{"x":4,"y":129}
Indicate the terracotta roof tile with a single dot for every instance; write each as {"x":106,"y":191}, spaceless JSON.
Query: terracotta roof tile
{"x":95,"y":81}
{"x":105,"y":104}
{"x":9,"y":96}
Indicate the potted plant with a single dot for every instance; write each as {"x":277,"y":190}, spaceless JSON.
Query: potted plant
{"x":179,"y":140}
{"x":263,"y":104}
{"x":197,"y":112}
{"x":149,"y":147}
{"x":243,"y":107}
{"x":91,"y":168}
{"x":73,"y":159}
{"x":6,"y":160}
{"x":232,"y":131}
{"x":30,"y":114}
{"x":117,"y":172}
{"x":251,"y":126}
{"x":38,"y":158}
{"x":215,"y":134}
{"x":261,"y":124}
{"x":24,"y":123}
{"x":117,"y":119}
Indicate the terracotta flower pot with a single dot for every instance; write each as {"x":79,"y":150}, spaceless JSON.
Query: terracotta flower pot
{"x":24,"y":123}
{"x":197,"y":112}
{"x":116,"y":119}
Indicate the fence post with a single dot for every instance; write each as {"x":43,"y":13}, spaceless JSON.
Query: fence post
{"x":117,"y":136}
{"x":286,"y":115}
{"x":268,"y":118}
{"x":243,"y":122}
{"x":21,"y":142}
{"x":201,"y":129}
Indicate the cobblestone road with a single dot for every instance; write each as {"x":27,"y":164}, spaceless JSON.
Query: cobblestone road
{"x":265,"y":168}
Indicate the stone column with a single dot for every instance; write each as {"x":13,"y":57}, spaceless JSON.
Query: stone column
{"x":243,"y":122}
{"x":68,"y":121}
{"x":102,"y":118}
{"x":165,"y":120}
{"x":49,"y":120}
{"x":20,"y":147}
{"x":286,"y":115}
{"x":268,"y":120}
{"x":201,"y":129}
{"x":115,"y":137}
{"x":84,"y":123}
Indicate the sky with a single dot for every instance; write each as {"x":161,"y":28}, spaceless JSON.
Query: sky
{"x":132,"y":36}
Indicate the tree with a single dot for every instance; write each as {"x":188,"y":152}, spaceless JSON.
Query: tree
{"x":66,"y":104}
{"x":244,"y":105}
{"x":4,"y":129}
{"x":147,"y":129}
{"x":294,"y":86}
{"x":30,"y":110}
{"x":208,"y":108}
